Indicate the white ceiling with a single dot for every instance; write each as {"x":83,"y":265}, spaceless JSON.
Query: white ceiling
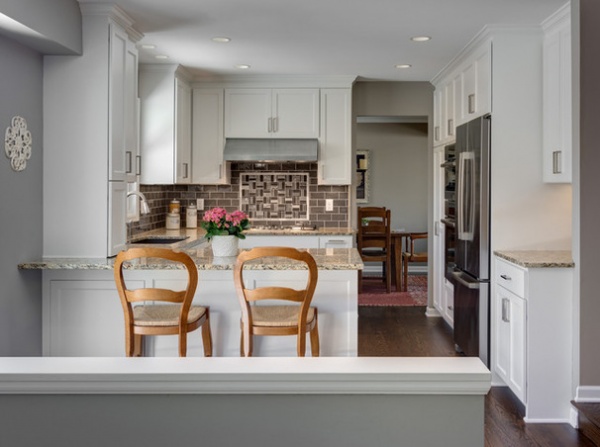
{"x":320,"y":37}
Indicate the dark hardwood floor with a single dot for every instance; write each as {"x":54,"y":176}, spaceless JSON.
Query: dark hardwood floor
{"x":407,"y":332}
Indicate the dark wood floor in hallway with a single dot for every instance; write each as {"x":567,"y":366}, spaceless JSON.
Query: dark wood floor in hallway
{"x":407,"y":332}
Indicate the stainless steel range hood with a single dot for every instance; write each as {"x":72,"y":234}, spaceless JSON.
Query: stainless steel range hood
{"x":267,"y":149}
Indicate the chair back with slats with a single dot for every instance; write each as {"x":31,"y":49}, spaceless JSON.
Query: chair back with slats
{"x":306,"y":316}
{"x":159,"y":320}
{"x":374,"y":240}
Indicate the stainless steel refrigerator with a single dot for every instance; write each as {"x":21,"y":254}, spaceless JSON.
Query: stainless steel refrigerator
{"x":472,"y":273}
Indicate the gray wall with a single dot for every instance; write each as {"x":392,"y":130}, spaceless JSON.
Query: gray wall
{"x":21,"y":204}
{"x":248,"y":420}
{"x":589,"y":212}
{"x":398,"y":170}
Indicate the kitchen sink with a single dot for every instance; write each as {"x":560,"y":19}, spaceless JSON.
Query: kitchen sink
{"x":159,"y":240}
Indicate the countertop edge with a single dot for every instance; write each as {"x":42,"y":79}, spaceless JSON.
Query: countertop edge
{"x":538,"y":258}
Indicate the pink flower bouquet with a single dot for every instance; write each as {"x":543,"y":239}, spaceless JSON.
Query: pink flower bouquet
{"x":218,"y":222}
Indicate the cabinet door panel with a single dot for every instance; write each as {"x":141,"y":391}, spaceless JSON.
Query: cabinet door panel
{"x":117,"y":212}
{"x":117,"y":103}
{"x":335,"y":144}
{"x":296,"y":113}
{"x":247,"y":113}
{"x":183,"y":132}
{"x":207,"y":138}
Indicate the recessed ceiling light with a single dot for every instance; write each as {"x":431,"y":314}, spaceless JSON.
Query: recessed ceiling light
{"x":161,"y":56}
{"x":420,"y":38}
{"x":148,"y":46}
{"x":221,"y":39}
{"x":242,"y":66}
{"x":403,"y":65}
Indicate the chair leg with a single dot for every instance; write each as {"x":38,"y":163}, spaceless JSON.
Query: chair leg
{"x":245,"y":342}
{"x":314,"y":338}
{"x":301,"y":342}
{"x":207,"y":336}
{"x":388,"y":277}
{"x":405,"y":275}
{"x":183,"y":344}
{"x":360,"y":278}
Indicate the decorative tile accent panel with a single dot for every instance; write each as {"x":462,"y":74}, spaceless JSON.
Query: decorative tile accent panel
{"x":228,"y":197}
{"x":275,"y":195}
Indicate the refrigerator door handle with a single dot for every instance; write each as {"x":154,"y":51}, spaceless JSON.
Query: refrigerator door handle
{"x":460,"y":195}
{"x":459,"y":276}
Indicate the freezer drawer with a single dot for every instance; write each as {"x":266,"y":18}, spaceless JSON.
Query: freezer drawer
{"x":471,"y":316}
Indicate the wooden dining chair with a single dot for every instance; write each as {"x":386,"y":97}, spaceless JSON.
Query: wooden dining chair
{"x":374,"y":241}
{"x":177,"y":316}
{"x":296,"y":318}
{"x":411,"y":256}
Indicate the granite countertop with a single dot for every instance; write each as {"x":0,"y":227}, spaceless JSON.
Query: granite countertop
{"x":199,"y":249}
{"x":538,"y":258}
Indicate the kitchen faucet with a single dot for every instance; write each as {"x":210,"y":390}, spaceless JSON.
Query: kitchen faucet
{"x":144,"y":207}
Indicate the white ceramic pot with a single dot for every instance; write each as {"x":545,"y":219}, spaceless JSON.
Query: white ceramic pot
{"x":224,"y":246}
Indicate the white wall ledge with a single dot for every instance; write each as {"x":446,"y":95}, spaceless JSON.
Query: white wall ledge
{"x":228,"y":375}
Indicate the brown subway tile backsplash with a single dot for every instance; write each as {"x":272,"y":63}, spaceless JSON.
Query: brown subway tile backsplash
{"x":228,"y":197}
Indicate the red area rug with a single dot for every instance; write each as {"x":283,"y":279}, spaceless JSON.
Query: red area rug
{"x":374,"y":293}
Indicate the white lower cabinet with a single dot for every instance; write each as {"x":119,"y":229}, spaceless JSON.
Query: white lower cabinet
{"x":532,"y":337}
{"x":510,"y":347}
{"x":448,"y":303}
{"x":82,"y":314}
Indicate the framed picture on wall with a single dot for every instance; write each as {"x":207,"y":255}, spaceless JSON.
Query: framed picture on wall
{"x":362,"y":176}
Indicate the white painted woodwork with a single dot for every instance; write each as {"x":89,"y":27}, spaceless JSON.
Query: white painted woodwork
{"x":557,"y":85}
{"x":165,"y":124}
{"x":251,"y":241}
{"x":87,"y":115}
{"x":297,"y":241}
{"x":82,"y":314}
{"x":208,"y":167}
{"x":117,"y":215}
{"x":448,"y":312}
{"x":335,"y":143}
{"x":271,"y":113}
{"x":533,"y":349}
{"x":438,"y":261}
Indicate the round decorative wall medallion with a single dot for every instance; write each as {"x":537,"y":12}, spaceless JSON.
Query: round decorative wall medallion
{"x":17,"y":143}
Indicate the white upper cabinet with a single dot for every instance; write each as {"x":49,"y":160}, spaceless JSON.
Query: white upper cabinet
{"x":166,"y":113}
{"x":557,"y":121}
{"x":475,"y":94}
{"x":207,"y":138}
{"x":271,"y":113}
{"x":90,"y":127}
{"x":335,"y":143}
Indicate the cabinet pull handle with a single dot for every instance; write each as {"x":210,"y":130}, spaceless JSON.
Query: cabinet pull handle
{"x":506,"y":277}
{"x":185,"y":167}
{"x":450,"y":127}
{"x":557,"y":162}
{"x":437,"y":133}
{"x":336,"y":241}
{"x":138,"y":165}
{"x":505,"y":310}
{"x":472,"y":103}
{"x":270,"y":124}
{"x":450,"y":307}
{"x":128,"y":166}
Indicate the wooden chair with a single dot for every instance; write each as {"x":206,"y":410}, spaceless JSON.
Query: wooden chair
{"x":412,"y":256}
{"x":374,"y":241}
{"x":177,"y":317}
{"x":295,"y":319}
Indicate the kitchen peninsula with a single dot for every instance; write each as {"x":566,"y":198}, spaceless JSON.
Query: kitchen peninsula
{"x":82,"y":314}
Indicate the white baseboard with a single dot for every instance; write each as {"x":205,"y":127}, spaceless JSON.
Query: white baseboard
{"x":432,"y":312}
{"x":588,"y":394}
{"x":574,"y":418}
